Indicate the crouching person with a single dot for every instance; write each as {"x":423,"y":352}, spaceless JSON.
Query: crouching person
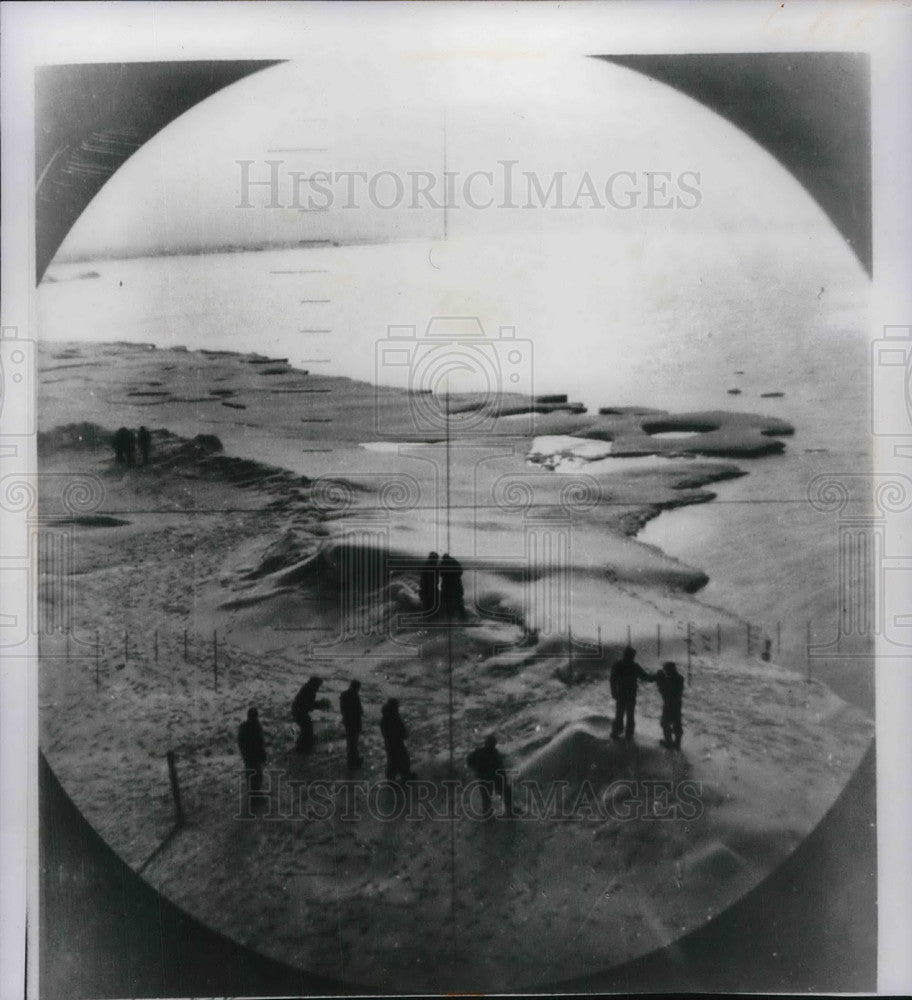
{"x":488,"y":764}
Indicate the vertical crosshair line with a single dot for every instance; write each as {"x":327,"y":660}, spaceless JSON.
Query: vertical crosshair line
{"x":452,"y":747}
{"x":445,"y":221}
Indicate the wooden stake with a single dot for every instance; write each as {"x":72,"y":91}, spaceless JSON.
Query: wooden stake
{"x":175,"y":789}
{"x":689,"y":674}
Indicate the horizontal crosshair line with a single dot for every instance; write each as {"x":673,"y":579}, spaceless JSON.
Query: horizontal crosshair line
{"x":312,"y":330}
{"x":362,"y":510}
{"x":299,"y":149}
{"x":305,"y":270}
{"x":305,"y":302}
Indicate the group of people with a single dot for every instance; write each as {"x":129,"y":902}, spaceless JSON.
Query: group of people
{"x":625,"y":677}
{"x":398,"y":764}
{"x":129,"y":444}
{"x":440,"y":587}
{"x":485,"y":760}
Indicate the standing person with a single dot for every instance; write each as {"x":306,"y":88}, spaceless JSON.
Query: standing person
{"x":398,"y":764}
{"x":488,"y":764}
{"x":625,"y":675}
{"x":671,"y":687}
{"x":429,"y":584}
{"x":144,"y":439}
{"x":350,"y":707}
{"x":130,"y":448}
{"x":452,"y":595}
{"x":252,"y":745}
{"x":121,"y":442}
{"x":304,"y":703}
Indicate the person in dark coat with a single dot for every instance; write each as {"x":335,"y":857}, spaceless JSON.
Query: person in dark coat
{"x":304,"y":703}
{"x":398,"y":764}
{"x":488,"y":764}
{"x":429,"y":584}
{"x":452,"y":596}
{"x":144,"y":440}
{"x":252,"y":745}
{"x":671,"y":687}
{"x":625,"y":674}
{"x":122,"y":441}
{"x":350,"y":707}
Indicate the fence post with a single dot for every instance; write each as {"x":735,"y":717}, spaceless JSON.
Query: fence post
{"x":689,"y":672}
{"x":215,"y":658}
{"x":628,"y":636}
{"x":807,"y":650}
{"x":175,"y":789}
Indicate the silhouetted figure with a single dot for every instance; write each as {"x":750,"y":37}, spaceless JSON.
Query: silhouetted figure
{"x":624,"y":677}
{"x":767,"y":650}
{"x":429,"y":584}
{"x":253,"y":748}
{"x":144,"y":440}
{"x":452,"y":597}
{"x":350,"y":707}
{"x":304,"y":703}
{"x":671,"y":687}
{"x":398,"y":764}
{"x":124,"y":446}
{"x":488,"y":764}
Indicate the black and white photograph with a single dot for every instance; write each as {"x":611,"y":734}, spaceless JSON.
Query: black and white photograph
{"x":455,"y":478}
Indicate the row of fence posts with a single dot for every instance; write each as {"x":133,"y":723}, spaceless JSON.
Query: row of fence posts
{"x":126,"y":652}
{"x":749,"y":630}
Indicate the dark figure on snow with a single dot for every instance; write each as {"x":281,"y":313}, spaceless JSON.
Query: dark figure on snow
{"x":488,"y":764}
{"x":452,"y":598}
{"x":124,"y":442}
{"x":398,"y":764}
{"x":671,"y":687}
{"x":253,"y":748}
{"x":144,"y":440}
{"x":304,"y":703}
{"x":350,"y":707}
{"x":429,"y":584}
{"x":625,"y":675}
